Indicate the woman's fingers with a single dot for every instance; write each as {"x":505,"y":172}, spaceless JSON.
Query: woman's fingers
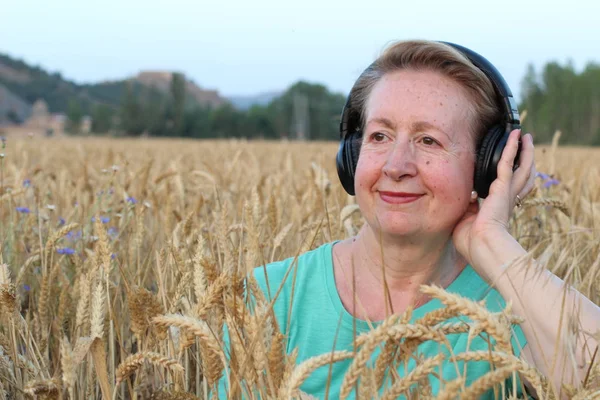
{"x":505,"y":165}
{"x":524,"y":176}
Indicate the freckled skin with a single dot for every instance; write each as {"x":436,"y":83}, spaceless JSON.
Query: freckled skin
{"x":395,"y":158}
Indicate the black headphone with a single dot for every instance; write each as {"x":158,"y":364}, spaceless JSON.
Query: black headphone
{"x":488,"y":154}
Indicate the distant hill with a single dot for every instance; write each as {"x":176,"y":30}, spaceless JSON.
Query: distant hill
{"x":22,"y":84}
{"x":245,"y":102}
{"x":13,"y":109}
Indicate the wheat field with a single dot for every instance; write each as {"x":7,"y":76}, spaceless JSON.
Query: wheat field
{"x":123,"y":259}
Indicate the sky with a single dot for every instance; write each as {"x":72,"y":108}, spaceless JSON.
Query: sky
{"x":250,"y":47}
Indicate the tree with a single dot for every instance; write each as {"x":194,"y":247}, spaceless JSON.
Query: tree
{"x":102,"y":117}
{"x":259,"y":123}
{"x":131,"y":113}
{"x":560,"y":98}
{"x":313,"y":102}
{"x":74,"y":116}
{"x":226,"y":121}
{"x":198,"y":122}
{"x":178,"y":95}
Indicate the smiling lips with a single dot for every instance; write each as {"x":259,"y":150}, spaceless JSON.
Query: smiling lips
{"x":399,"y":197}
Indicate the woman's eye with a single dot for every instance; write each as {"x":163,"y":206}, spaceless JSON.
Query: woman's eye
{"x":429,"y":141}
{"x":378,"y":137}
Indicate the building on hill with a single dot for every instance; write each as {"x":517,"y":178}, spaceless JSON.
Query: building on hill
{"x":40,"y":117}
{"x":42,"y":122}
{"x":161,"y":80}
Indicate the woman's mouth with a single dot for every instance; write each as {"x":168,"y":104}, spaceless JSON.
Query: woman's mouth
{"x":399,"y":197}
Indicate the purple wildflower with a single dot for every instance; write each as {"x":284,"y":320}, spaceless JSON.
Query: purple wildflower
{"x":27,"y":183}
{"x":113,"y":256}
{"x":550,"y":182}
{"x":112,"y":232}
{"x":73,"y":236}
{"x":131,"y":200}
{"x":65,"y":250}
{"x":23,"y":210}
{"x":27,"y":287}
{"x":61,"y":221}
{"x":104,"y":220}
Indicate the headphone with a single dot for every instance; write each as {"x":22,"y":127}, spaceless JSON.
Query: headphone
{"x":488,"y":153}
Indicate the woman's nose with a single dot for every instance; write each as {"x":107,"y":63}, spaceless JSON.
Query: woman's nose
{"x":400,"y":161}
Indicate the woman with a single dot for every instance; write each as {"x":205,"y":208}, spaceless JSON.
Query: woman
{"x":424,"y":109}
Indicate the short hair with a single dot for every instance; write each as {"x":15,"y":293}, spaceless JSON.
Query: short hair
{"x":424,"y":55}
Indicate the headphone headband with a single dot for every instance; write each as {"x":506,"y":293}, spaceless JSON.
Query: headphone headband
{"x":350,"y":120}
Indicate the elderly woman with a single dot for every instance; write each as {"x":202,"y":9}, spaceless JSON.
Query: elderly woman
{"x":422,"y":113}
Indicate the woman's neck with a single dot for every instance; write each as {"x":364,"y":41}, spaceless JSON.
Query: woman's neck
{"x":401,"y":266}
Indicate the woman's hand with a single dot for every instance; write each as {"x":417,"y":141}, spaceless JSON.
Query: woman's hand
{"x":490,"y":219}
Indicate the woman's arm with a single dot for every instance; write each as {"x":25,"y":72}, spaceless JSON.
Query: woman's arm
{"x":552,"y":309}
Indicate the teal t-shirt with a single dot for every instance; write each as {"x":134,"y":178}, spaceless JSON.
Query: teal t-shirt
{"x":319,"y":323}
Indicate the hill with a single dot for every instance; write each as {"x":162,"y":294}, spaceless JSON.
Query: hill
{"x":22,"y":84}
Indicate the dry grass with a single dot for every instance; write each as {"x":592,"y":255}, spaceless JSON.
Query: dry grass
{"x":138,"y":310}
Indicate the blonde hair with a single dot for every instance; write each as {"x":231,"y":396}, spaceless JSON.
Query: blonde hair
{"x":420,"y":55}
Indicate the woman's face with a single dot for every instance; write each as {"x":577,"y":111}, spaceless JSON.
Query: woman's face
{"x":415,"y":170}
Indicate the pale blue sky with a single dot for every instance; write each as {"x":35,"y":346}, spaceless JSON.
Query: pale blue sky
{"x":248,"y":47}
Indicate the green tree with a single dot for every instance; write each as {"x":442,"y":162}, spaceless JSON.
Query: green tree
{"x":260,"y":123}
{"x":310,"y":108}
{"x":198,"y":122}
{"x":102,"y":117}
{"x":226,"y":121}
{"x":74,"y":116}
{"x":178,"y":95}
{"x":559,"y":98}
{"x":131,"y":113}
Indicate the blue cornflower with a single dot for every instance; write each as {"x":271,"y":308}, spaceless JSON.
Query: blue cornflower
{"x":27,"y":287}
{"x":550,"y":182}
{"x":61,"y":221}
{"x":27,"y":183}
{"x":73,"y":236}
{"x":113,"y":256}
{"x":112,"y":232}
{"x":131,"y":200}
{"x":65,"y":250}
{"x":23,"y":210}
{"x":104,"y":220}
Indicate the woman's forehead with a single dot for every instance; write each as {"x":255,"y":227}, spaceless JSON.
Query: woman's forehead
{"x":419,"y":99}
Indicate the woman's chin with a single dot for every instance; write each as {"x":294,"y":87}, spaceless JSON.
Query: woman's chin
{"x":400,"y":230}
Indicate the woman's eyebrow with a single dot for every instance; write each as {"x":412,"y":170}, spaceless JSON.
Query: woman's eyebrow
{"x":424,"y":126}
{"x":382,"y":121}
{"x":416,"y":126}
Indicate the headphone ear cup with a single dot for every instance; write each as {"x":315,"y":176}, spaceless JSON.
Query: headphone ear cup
{"x":488,"y":156}
{"x":346,"y":160}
